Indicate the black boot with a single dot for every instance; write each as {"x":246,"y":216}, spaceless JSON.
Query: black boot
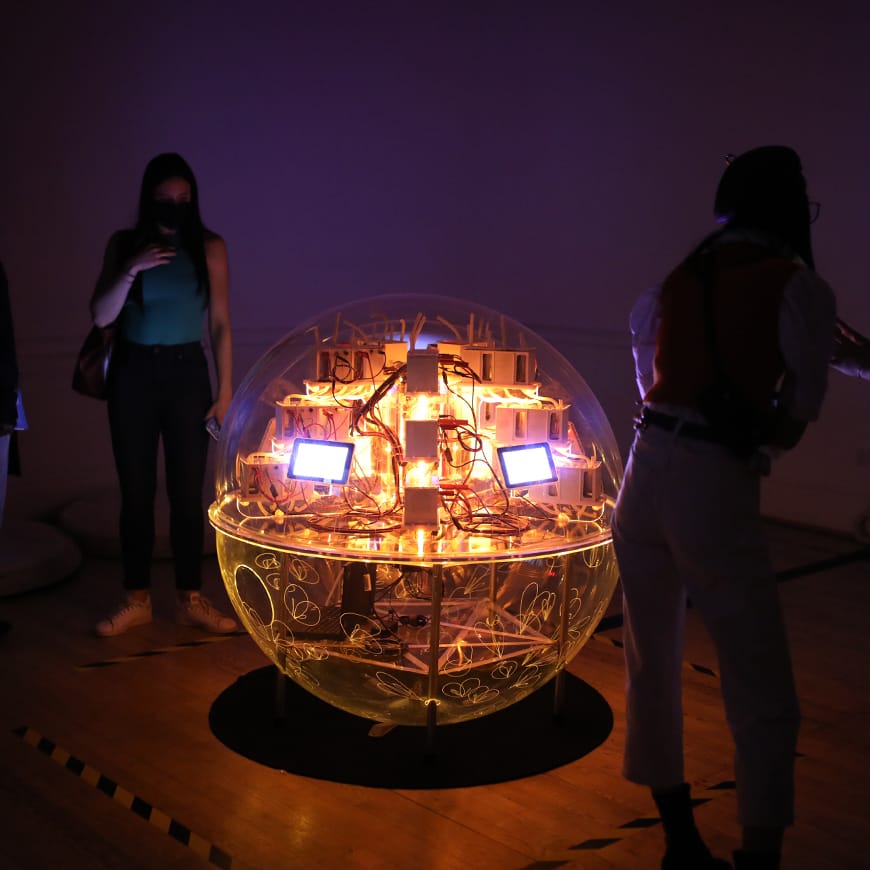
{"x":685,"y":848}
{"x":744,"y":860}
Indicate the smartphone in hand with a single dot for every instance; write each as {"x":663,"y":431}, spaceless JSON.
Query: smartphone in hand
{"x":213,"y":427}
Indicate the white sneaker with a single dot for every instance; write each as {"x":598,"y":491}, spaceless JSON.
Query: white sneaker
{"x":130,"y":614}
{"x":199,"y":611}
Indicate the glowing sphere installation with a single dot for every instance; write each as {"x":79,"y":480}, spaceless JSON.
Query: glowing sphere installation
{"x":413,"y":505}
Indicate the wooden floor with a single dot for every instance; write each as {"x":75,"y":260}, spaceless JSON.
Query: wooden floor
{"x":180,"y":798}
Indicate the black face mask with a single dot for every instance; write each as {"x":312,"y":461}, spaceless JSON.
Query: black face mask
{"x":172,"y":215}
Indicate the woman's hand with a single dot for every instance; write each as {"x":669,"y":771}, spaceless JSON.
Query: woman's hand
{"x":219,"y":409}
{"x":119,"y":272}
{"x":154,"y":255}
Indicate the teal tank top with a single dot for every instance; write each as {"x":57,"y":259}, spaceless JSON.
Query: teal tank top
{"x":171,"y":310}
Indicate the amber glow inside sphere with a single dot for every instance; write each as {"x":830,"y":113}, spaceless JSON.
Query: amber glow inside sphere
{"x":412,"y":510}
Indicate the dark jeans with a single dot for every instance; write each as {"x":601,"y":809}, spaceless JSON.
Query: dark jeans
{"x":160,"y":391}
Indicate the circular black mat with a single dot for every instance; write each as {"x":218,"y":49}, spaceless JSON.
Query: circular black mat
{"x":323,"y":742}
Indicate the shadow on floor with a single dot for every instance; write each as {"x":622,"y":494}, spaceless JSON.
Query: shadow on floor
{"x":323,"y":742}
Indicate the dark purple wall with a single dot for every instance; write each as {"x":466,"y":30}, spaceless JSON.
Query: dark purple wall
{"x":548,"y":159}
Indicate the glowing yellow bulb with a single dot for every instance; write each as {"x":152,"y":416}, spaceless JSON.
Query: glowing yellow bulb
{"x":421,"y":407}
{"x":422,"y":473}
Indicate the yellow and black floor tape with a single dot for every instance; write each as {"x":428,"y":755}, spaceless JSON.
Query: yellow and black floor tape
{"x":151,"y":814}
{"x":699,"y":797}
{"x":150,"y":653}
{"x":220,"y":858}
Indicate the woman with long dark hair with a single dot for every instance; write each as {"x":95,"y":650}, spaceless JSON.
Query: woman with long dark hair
{"x":731,"y":357}
{"x":160,"y":281}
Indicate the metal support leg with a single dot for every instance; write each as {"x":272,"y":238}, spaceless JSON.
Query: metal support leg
{"x":434,"y":658}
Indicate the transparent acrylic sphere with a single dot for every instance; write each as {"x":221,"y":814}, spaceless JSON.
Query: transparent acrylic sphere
{"x":413,"y":505}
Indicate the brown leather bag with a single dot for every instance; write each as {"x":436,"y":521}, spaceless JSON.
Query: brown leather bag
{"x":92,"y":364}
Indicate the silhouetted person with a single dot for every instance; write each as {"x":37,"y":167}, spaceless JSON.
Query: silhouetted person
{"x":731,"y":356}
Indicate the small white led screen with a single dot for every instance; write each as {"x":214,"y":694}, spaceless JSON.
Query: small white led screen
{"x":526,"y":464}
{"x":321,"y":461}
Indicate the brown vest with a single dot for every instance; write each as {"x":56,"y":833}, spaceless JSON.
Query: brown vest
{"x":748,"y":288}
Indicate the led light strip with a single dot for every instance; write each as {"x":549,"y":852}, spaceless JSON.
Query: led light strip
{"x":151,"y":814}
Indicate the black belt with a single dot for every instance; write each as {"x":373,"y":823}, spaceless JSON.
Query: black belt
{"x":670,"y":423}
{"x":134,"y":350}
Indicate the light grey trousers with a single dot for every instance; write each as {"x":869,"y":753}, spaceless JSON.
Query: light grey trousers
{"x":687,"y":522}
